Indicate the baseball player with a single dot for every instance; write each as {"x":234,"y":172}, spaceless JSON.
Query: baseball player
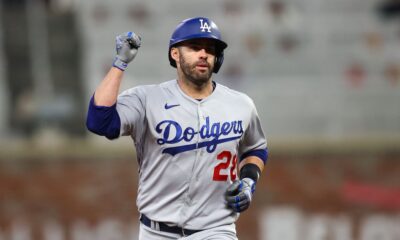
{"x":191,"y":135}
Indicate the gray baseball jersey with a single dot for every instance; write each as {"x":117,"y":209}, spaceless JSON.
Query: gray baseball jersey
{"x":188,"y":150}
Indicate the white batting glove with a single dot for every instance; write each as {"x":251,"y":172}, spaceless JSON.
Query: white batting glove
{"x":127,"y":45}
{"x":239,"y":194}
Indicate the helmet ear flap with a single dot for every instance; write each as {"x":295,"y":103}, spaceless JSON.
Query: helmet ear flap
{"x":219,"y":59}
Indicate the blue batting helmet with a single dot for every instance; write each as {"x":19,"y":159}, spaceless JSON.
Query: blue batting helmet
{"x":194,"y":28}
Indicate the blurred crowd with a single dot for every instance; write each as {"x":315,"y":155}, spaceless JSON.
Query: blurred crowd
{"x":53,"y":53}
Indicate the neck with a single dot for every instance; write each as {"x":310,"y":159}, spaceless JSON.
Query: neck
{"x":196,"y":91}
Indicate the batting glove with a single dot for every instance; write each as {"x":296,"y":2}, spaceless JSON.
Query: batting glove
{"x":127,"y":45}
{"x":239,"y":194}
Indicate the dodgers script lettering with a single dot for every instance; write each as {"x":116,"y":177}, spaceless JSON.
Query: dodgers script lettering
{"x":212,"y":133}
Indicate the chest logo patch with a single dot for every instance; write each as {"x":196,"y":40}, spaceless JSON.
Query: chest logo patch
{"x":210,"y":134}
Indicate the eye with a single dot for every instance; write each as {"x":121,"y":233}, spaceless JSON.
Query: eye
{"x":210,"y":49}
{"x":197,"y":46}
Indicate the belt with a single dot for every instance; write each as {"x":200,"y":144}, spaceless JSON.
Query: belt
{"x":160,"y":226}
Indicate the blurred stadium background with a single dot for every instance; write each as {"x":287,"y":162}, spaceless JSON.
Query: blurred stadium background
{"x":325,"y":76}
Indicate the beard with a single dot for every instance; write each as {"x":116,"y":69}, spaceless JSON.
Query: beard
{"x":189,"y":71}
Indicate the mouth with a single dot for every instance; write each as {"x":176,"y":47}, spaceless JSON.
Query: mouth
{"x":202,"y":66}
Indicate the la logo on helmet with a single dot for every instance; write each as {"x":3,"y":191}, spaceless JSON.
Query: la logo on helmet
{"x":204,"y":26}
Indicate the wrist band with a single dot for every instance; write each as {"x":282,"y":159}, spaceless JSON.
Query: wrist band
{"x":120,"y":64}
{"x":251,"y":171}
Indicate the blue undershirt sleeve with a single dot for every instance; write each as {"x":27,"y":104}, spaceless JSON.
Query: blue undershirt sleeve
{"x":103,"y":121}
{"x":260,"y":153}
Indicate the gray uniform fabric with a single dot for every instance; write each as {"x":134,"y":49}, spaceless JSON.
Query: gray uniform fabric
{"x":187,"y":150}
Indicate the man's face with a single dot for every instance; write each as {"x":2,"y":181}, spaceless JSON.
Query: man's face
{"x":196,"y":60}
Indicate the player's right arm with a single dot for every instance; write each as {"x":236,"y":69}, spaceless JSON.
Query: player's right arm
{"x":107,"y":92}
{"x":102,"y":117}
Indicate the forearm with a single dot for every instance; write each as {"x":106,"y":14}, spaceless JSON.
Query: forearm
{"x":107,"y":92}
{"x":127,"y":45}
{"x":251,"y":167}
{"x":254,"y":160}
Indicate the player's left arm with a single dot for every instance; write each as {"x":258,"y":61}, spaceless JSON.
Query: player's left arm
{"x":253,"y":156}
{"x":240,"y":193}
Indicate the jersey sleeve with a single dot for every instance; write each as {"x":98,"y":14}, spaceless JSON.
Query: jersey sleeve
{"x":131,"y":110}
{"x":103,"y":120}
{"x":254,"y":142}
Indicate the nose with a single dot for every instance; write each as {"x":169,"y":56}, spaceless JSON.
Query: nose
{"x":203,"y":53}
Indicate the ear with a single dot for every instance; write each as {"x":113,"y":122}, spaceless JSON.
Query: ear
{"x":175,"y":54}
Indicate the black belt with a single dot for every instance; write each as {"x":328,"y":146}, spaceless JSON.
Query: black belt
{"x":160,"y":226}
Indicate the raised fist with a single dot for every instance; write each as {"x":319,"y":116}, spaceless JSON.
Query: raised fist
{"x":127,"y":45}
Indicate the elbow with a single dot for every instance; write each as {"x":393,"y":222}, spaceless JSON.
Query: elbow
{"x":108,"y":129}
{"x":103,"y":121}
{"x":92,"y":126}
